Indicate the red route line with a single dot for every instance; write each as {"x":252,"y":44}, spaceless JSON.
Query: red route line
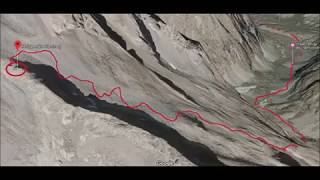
{"x":294,"y":37}
{"x":285,"y":88}
{"x":178,"y":113}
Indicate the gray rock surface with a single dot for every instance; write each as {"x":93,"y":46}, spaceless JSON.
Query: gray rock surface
{"x":172,"y":62}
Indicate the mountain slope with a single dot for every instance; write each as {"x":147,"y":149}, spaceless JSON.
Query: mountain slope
{"x":171,"y":62}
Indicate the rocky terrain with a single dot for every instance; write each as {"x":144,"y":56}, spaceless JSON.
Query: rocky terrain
{"x":212,"y":64}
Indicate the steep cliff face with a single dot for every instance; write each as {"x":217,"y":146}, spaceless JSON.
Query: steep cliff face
{"x":171,"y":62}
{"x":230,"y":42}
{"x":217,"y":47}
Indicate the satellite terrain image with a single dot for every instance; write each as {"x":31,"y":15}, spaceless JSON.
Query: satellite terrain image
{"x":160,"y":89}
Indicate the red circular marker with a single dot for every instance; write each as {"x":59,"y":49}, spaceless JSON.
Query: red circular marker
{"x":15,"y":74}
{"x":17,"y":44}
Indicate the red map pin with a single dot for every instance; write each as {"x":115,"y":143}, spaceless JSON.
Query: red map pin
{"x":17,"y":44}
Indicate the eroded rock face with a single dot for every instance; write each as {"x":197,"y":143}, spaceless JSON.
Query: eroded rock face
{"x":172,"y":62}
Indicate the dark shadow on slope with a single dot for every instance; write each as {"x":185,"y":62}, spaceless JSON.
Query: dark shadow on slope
{"x":157,"y":18}
{"x":194,"y":42}
{"x":134,"y":54}
{"x":115,"y":36}
{"x":175,"y":87}
{"x":196,"y":152}
{"x":147,"y":37}
{"x":286,"y":159}
{"x":112,"y":34}
{"x":195,"y":121}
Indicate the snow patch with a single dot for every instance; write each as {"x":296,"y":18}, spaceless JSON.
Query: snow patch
{"x":245,"y":89}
